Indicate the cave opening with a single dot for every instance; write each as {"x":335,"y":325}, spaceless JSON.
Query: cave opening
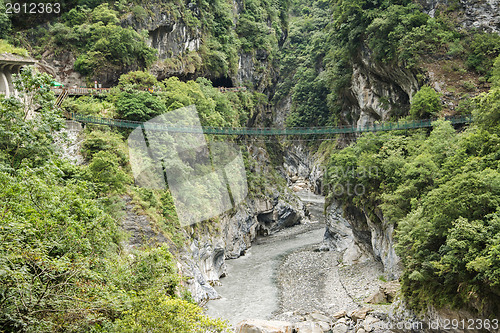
{"x":265,"y":220}
{"x":223,"y":81}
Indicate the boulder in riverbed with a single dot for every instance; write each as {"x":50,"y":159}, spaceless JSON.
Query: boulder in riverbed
{"x":310,"y":327}
{"x":339,"y":314}
{"x":263,"y":326}
{"x":360,"y":314}
{"x":387,"y":292}
{"x":316,"y":316}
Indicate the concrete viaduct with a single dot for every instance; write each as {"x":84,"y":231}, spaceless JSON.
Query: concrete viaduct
{"x":11,"y":64}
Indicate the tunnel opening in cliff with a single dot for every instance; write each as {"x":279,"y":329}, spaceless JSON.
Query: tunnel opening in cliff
{"x":223,"y":81}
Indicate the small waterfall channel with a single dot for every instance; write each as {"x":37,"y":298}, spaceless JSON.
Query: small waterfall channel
{"x":250,"y":290}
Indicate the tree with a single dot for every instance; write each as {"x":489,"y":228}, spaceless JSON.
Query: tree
{"x":486,"y":110}
{"x":27,"y":128}
{"x":5,"y":25}
{"x":104,"y":44}
{"x":426,"y":103}
{"x":139,"y":106}
{"x":137,"y":80}
{"x":106,"y":172}
{"x":52,"y":237}
{"x":495,"y":73}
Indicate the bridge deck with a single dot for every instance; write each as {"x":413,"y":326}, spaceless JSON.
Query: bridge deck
{"x":386,"y":126}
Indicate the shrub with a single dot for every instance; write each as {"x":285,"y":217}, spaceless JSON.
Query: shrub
{"x":5,"y":24}
{"x":102,"y":42}
{"x":105,"y":171}
{"x":167,"y":314}
{"x":484,"y":48}
{"x":7,"y":48}
{"x":137,"y":80}
{"x":495,"y":73}
{"x":97,"y":141}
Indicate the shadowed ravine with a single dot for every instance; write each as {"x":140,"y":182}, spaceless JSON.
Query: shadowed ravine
{"x":249,"y":290}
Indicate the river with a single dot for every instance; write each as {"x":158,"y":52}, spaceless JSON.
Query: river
{"x":250,"y":290}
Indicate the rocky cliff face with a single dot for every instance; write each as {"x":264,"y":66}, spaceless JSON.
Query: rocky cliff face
{"x":203,"y":263}
{"x":351,"y":231}
{"x":61,"y":68}
{"x":478,"y":14}
{"x":378,"y":91}
{"x":175,"y":40}
{"x":303,"y":168}
{"x":171,"y":37}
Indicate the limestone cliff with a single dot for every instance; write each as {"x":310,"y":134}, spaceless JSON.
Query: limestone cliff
{"x":378,"y":91}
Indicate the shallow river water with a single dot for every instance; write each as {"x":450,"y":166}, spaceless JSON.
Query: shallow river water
{"x":249,"y":290}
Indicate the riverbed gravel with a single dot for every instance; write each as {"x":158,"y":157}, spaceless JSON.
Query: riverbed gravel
{"x":310,"y":280}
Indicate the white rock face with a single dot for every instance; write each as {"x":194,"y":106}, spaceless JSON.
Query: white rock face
{"x":382,"y":239}
{"x":173,"y":38}
{"x":69,"y":142}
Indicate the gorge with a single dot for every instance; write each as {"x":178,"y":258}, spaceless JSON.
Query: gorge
{"x":412,"y":237}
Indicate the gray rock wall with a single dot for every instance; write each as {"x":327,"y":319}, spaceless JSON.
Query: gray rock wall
{"x":351,"y":231}
{"x":477,"y":14}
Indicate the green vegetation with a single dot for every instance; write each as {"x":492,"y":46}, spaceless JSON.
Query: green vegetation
{"x":484,"y":49}
{"x":443,"y":193}
{"x":102,"y":42}
{"x":7,"y":48}
{"x":138,"y":105}
{"x":96,"y":38}
{"x":318,"y":56}
{"x":24,"y":139}
{"x":62,"y":265}
{"x":425,"y":104}
{"x":305,"y":47}
{"x":5,"y":24}
{"x":139,"y":80}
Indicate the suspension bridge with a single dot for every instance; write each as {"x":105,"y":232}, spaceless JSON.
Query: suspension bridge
{"x":256,"y":131}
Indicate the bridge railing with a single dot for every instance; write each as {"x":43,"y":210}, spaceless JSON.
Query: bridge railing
{"x":343,"y":129}
{"x":232,"y":89}
{"x":97,"y":91}
{"x":81,"y":91}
